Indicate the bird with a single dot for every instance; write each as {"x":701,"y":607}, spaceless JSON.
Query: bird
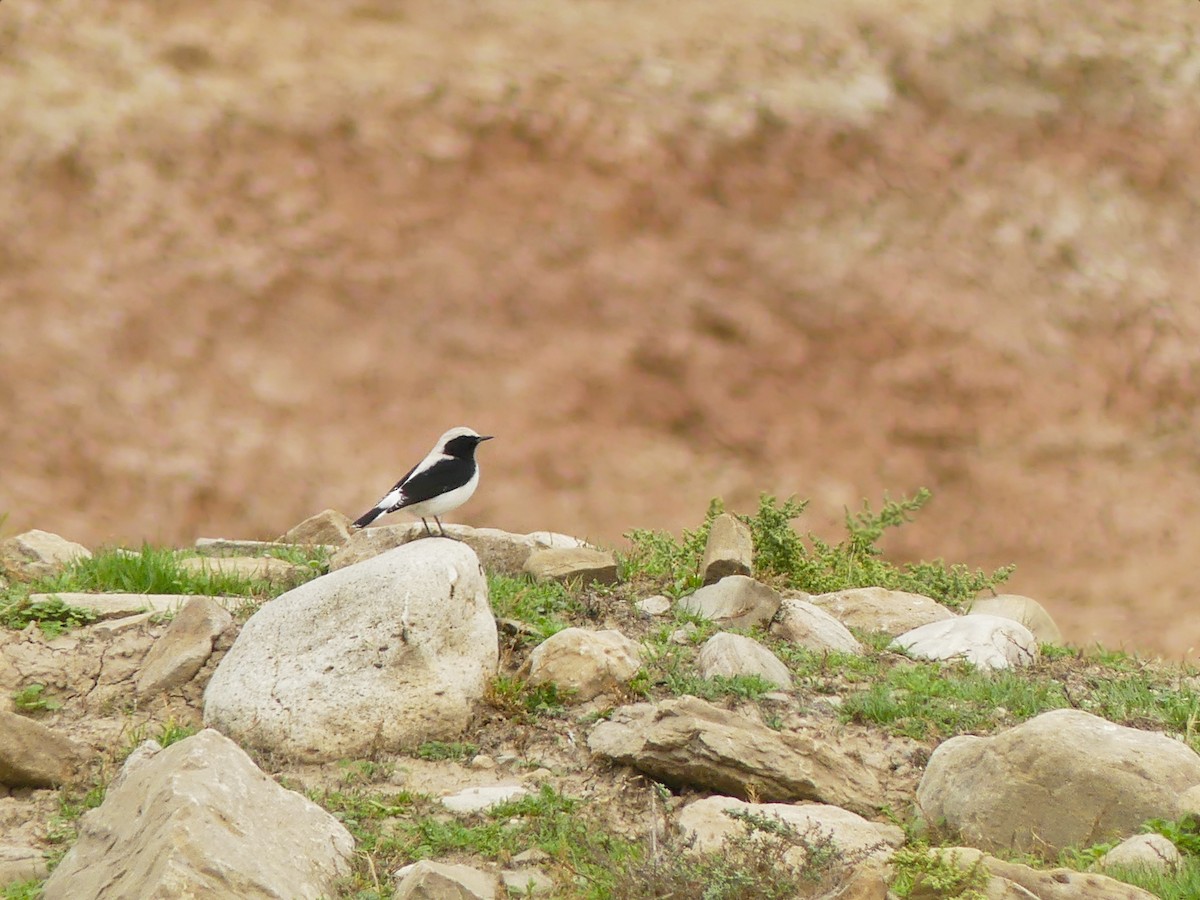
{"x":443,"y":481}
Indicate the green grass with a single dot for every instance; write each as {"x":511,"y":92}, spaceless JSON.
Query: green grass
{"x":52,"y":616}
{"x":523,"y":701}
{"x":440,"y":750}
{"x":918,"y":866}
{"x":22,"y":890}
{"x":33,"y":698}
{"x":546,"y":607}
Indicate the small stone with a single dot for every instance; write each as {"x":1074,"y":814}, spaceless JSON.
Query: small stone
{"x":807,"y":625}
{"x":728,"y":655}
{"x":1021,"y":609}
{"x":531,"y":857}
{"x":658,"y":605}
{"x":181,"y":650}
{"x":683,"y":636}
{"x":482,"y":761}
{"x":988,"y":642}
{"x":878,"y":609}
{"x":32,"y":755}
{"x":1152,"y":851}
{"x":328,"y":528}
{"x":526,"y":881}
{"x":729,"y":550}
{"x":588,"y":663}
{"x":430,"y":880}
{"x":736,"y":601}
{"x":19,"y":863}
{"x":567,"y":564}
{"x":37,"y":554}
{"x":474,"y":799}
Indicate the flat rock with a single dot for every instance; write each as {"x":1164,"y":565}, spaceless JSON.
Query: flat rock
{"x":569,"y":564}
{"x":383,"y":655}
{"x":877,"y":609}
{"x":200,"y":820}
{"x":526,"y":881}
{"x":183,"y":649}
{"x":500,"y":552}
{"x":20,"y":863}
{"x":475,"y":799}
{"x":328,"y":528}
{"x":586,"y":662}
{"x":118,"y":606}
{"x":987,"y":642}
{"x":736,"y":601}
{"x":430,"y":880}
{"x":729,"y":549}
{"x":1063,"y":779}
{"x":1041,"y":884}
{"x":1021,"y":609}
{"x":807,"y":625}
{"x":32,"y":755}
{"x":38,"y":554}
{"x":658,"y":605}
{"x":686,"y":741}
{"x":267,"y":568}
{"x":707,"y":824}
{"x":235,"y":547}
{"x":1151,"y":851}
{"x":728,"y":654}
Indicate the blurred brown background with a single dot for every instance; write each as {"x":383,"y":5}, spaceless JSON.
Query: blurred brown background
{"x":255,"y":257}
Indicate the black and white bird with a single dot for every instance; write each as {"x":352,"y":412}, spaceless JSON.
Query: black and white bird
{"x":443,"y":481}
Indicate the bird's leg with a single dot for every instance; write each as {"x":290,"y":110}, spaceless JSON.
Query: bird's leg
{"x":440,"y":528}
{"x":428,"y":531}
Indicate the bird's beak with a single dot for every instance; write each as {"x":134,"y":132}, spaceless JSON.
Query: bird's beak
{"x":485,"y":437}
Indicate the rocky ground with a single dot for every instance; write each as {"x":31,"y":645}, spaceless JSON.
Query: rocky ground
{"x":528,"y":712}
{"x":255,"y":257}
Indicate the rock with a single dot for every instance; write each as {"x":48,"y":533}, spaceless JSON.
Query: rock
{"x":1189,"y":802}
{"x":878,"y":609}
{"x":1015,"y":881}
{"x":523,"y":882}
{"x":474,"y":799}
{"x":328,"y":528}
{"x":686,"y":741}
{"x":1025,"y":610}
{"x":500,"y":552}
{"x":429,"y":880}
{"x":118,"y":606}
{"x":1151,"y":851}
{"x":266,"y":568}
{"x":707,"y":825}
{"x":729,"y":654}
{"x":658,"y":605}
{"x":384,"y":655}
{"x":32,"y":755}
{"x":530,"y":857}
{"x":589,"y":663}
{"x":728,"y":551}
{"x":1063,"y":779}
{"x":184,"y":647}
{"x":987,"y":642}
{"x":568,"y":564}
{"x":38,"y":554}
{"x":200,"y":820}
{"x":227,"y":547}
{"x":19,"y":863}
{"x":736,"y":601}
{"x":807,"y":625}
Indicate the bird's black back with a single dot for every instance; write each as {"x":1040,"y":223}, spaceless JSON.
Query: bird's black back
{"x":444,"y":475}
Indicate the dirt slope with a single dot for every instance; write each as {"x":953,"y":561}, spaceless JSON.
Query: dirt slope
{"x":254,"y":258}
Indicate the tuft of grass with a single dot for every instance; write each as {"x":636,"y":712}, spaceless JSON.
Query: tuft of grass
{"x":440,"y":750}
{"x":937,"y":874}
{"x":33,"y":698}
{"x":518,"y":698}
{"x":547,"y":607}
{"x":1178,"y":883}
{"x":22,"y":890}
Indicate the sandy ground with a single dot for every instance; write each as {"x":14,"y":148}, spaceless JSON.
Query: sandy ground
{"x":254,"y":258}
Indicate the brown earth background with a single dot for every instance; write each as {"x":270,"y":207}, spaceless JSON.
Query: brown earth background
{"x":255,"y":257}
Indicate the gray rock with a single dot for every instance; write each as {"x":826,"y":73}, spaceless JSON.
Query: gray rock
{"x":118,"y":606}
{"x":1189,"y":802}
{"x":570,"y":564}
{"x":200,"y":820}
{"x":1015,"y":881}
{"x":20,"y":863}
{"x":1063,"y":779}
{"x":474,"y":799}
{"x":877,"y":609}
{"x":736,"y":601}
{"x":328,"y":528}
{"x":987,"y":642}
{"x":233,"y":547}
{"x":181,"y":650}
{"x":267,"y":568}
{"x":37,"y":554}
{"x":589,"y":663}
{"x":1021,"y":609}
{"x":807,"y":625}
{"x":1151,"y":851}
{"x":523,"y":882}
{"x":429,"y":880}
{"x":500,"y":552}
{"x":728,"y":551}
{"x":688,"y":742}
{"x":384,"y":655}
{"x":658,"y":605}
{"x":32,"y":755}
{"x":729,"y":654}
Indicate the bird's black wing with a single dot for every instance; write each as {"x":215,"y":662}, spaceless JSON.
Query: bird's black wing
{"x":446,"y":474}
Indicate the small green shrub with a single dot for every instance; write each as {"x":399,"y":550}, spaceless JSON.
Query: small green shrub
{"x":516,"y":697}
{"x":32,"y":698}
{"x":52,"y":616}
{"x":439,"y":750}
{"x":546,"y":606}
{"x":918,"y":865}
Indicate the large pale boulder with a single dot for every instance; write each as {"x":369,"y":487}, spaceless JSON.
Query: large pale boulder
{"x":736,"y":601}
{"x":588,"y":663}
{"x":878,"y":609}
{"x":729,"y":549}
{"x":807,"y":625}
{"x":686,"y":741}
{"x":987,"y":642}
{"x":36,"y":554}
{"x":1063,"y":779}
{"x":200,"y":820}
{"x":32,"y":755}
{"x":727,"y":654}
{"x":383,"y":655}
{"x":184,"y":647}
{"x":1021,"y":609}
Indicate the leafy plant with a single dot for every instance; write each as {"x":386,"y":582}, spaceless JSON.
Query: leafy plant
{"x":52,"y":615}
{"x":918,"y":865}
{"x":657,"y":556}
{"x":517,"y":697}
{"x":32,"y":698}
{"x":546,"y":606}
{"x":439,"y":750}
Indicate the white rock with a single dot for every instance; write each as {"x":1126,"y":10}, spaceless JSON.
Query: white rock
{"x":658,"y":605}
{"x":384,"y":655}
{"x":729,"y":654}
{"x":429,"y":880}
{"x":988,"y":642}
{"x":36,"y":554}
{"x":1152,"y":851}
{"x":736,"y":601}
{"x":184,"y":647}
{"x":474,"y":799}
{"x":807,"y":625}
{"x":199,"y":819}
{"x":1021,"y":609}
{"x":878,"y":609}
{"x":587,"y":662}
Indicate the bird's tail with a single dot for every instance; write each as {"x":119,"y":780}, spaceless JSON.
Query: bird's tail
{"x":368,"y":517}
